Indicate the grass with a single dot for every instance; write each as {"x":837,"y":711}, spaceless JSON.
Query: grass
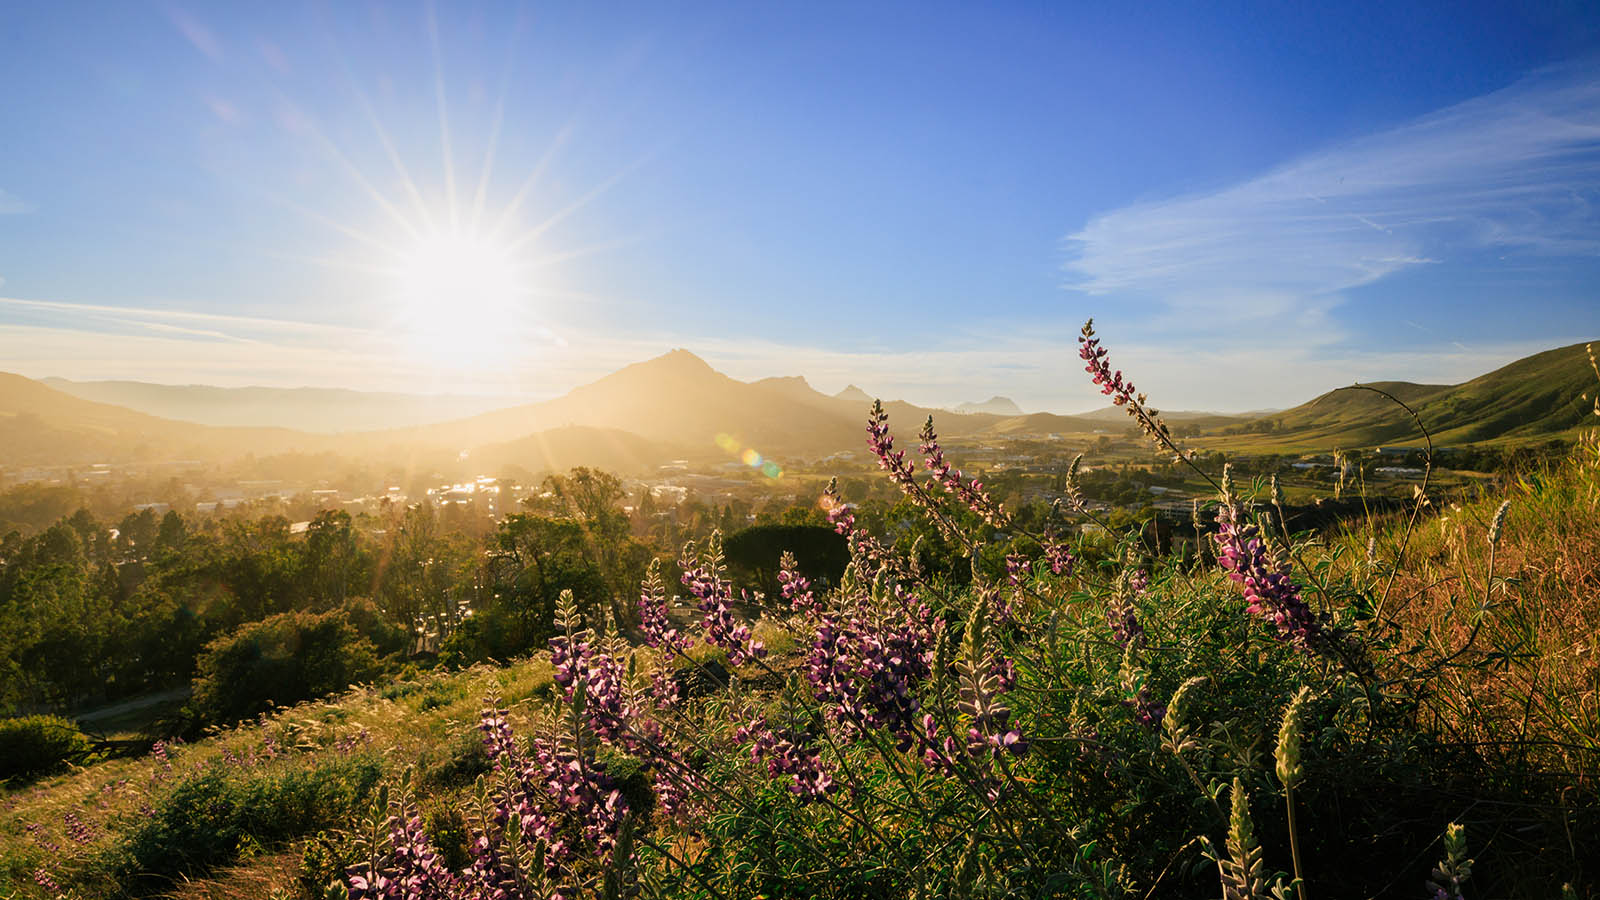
{"x":1483,"y":708}
{"x":136,"y":810}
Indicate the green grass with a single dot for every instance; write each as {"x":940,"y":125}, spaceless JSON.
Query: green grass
{"x":1484,"y":707}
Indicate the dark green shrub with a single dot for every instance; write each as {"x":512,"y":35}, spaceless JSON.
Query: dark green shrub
{"x":753,"y":554}
{"x":39,"y":745}
{"x":455,"y":764}
{"x":323,"y":860}
{"x":447,"y":829}
{"x":280,"y":660}
{"x":206,"y":818}
{"x":370,"y":622}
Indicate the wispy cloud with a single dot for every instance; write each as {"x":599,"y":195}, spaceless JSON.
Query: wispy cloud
{"x":1517,"y":169}
{"x":196,"y":33}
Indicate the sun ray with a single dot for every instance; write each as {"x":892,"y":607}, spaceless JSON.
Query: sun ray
{"x":580,"y":252}
{"x":444,"y":120}
{"x":340,"y":227}
{"x":528,"y":183}
{"x":370,"y":112}
{"x":393,"y":153}
{"x":331,"y":262}
{"x":532,"y":234}
{"x":480,"y":197}
{"x":327,"y":146}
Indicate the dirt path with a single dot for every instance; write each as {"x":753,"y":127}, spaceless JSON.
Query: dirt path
{"x":143,"y":701}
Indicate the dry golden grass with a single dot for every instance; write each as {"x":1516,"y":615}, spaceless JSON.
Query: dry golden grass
{"x":1512,"y":657}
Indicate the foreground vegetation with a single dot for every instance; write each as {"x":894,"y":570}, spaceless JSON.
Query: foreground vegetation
{"x":1409,"y":707}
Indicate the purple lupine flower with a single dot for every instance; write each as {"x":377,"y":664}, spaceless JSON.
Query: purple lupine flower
{"x":864,"y":548}
{"x":409,"y":868}
{"x":865,"y":666}
{"x":840,"y":514}
{"x":43,"y":879}
{"x":561,"y":797}
{"x":346,"y":744}
{"x":498,"y":738}
{"x":705,"y":578}
{"x":1057,"y":554}
{"x":1110,"y":383}
{"x":39,"y":838}
{"x":970,"y":493}
{"x":674,"y":797}
{"x":1269,"y":592}
{"x":795,"y":587}
{"x":1122,"y":615}
{"x":657,"y":625}
{"x":985,"y":675}
{"x":881,"y":443}
{"x":80,"y":831}
{"x":788,"y":753}
{"x":1123,"y":393}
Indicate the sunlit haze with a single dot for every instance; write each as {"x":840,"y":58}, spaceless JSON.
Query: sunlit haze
{"x":923,"y":200}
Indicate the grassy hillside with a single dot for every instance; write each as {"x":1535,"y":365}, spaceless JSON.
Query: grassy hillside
{"x":1472,"y":699}
{"x":1540,"y":397}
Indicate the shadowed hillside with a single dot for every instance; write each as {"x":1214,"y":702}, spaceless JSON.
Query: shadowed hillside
{"x":323,"y":410}
{"x":43,"y":426}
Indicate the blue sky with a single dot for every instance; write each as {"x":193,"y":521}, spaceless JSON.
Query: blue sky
{"x":1256,"y":203}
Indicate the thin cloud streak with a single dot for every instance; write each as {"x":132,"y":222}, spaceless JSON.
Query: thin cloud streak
{"x":1517,"y":169}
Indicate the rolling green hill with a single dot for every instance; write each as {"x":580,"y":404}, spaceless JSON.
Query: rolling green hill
{"x":1544,"y":396}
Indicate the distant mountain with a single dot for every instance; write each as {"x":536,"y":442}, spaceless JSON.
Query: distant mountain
{"x":676,"y":406}
{"x":677,"y":399}
{"x":1546,"y":395}
{"x":324,"y":410}
{"x":43,"y":426}
{"x":561,"y":449}
{"x":855,"y":395}
{"x":1118,"y":415}
{"x":1000,"y":406}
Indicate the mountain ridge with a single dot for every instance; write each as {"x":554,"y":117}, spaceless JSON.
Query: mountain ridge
{"x":677,"y":405}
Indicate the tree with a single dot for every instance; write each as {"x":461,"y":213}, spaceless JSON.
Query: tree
{"x":592,"y":499}
{"x":332,"y":560}
{"x":532,"y":560}
{"x":280,"y":660}
{"x":173,"y":532}
{"x":753,"y":553}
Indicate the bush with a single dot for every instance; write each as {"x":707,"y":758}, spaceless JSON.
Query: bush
{"x":206,"y":818}
{"x":280,"y":660}
{"x":753,"y":554}
{"x":370,"y":622}
{"x":39,"y":745}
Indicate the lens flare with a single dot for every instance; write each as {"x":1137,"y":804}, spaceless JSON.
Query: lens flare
{"x":748,"y":455}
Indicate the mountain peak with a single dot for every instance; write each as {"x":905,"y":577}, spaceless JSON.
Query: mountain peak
{"x":854,"y":395}
{"x":1002,"y":406}
{"x":789,"y":383}
{"x":680,"y":360}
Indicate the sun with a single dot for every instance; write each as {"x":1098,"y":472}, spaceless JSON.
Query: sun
{"x":459,"y":298}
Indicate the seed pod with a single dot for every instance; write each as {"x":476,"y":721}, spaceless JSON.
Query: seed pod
{"x":1290,"y":771}
{"x":1178,"y":734}
{"x":1498,"y":523}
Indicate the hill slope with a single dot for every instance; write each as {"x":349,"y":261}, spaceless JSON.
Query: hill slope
{"x":678,"y":399}
{"x":323,"y":410}
{"x":43,"y":426}
{"x":1537,"y":397}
